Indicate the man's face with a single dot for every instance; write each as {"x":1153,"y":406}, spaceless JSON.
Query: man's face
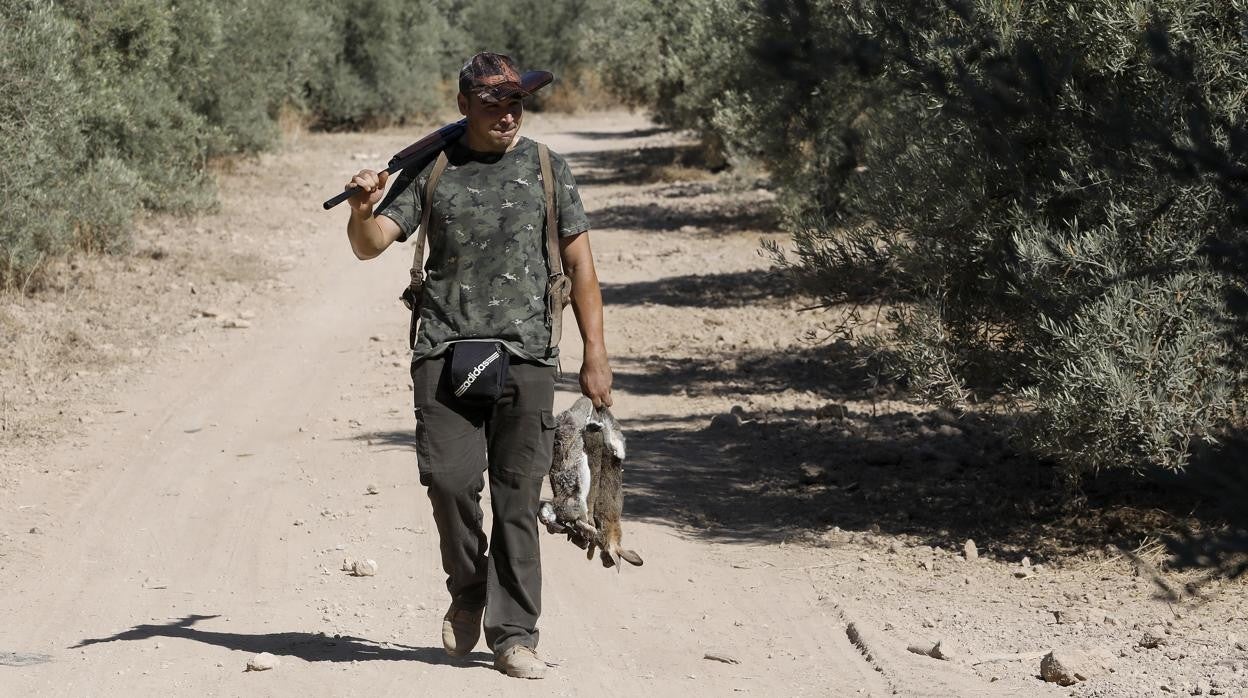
{"x":492,"y":125}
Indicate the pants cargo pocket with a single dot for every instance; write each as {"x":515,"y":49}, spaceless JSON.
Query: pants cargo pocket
{"x":525,"y":445}
{"x":423,"y":457}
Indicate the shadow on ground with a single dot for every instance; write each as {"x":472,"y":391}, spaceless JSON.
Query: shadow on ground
{"x":834,"y":372}
{"x":619,"y":135}
{"x":637,"y":166}
{"x":1219,"y":475}
{"x":729,"y":215}
{"x":389,"y":440}
{"x":797,"y":472}
{"x":733,"y":289}
{"x":310,"y":647}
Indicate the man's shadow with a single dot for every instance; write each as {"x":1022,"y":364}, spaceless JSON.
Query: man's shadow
{"x":310,"y":647}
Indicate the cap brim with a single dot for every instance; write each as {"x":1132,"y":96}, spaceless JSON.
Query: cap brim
{"x":530,"y":82}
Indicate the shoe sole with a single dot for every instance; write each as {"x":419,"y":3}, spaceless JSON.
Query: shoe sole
{"x":519,"y":675}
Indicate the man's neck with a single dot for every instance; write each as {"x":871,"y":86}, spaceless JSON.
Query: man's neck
{"x":487,"y":148}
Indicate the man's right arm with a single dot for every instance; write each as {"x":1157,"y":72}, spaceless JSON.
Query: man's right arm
{"x":369,"y":235}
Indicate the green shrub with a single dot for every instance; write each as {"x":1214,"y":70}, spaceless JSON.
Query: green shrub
{"x":1134,"y":376}
{"x":131,"y":109}
{"x":1026,"y":185}
{"x":538,"y":34}
{"x":1058,"y":254}
{"x":236,"y":63}
{"x":389,"y":60}
{"x":55,"y":196}
{"x":111,"y":106}
{"x":683,"y":61}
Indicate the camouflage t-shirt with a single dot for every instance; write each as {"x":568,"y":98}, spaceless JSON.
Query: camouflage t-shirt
{"x":487,"y":269}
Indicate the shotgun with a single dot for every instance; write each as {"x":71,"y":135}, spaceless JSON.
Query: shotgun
{"x":418,"y":153}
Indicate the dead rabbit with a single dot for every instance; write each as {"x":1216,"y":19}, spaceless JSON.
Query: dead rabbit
{"x":586,"y":480}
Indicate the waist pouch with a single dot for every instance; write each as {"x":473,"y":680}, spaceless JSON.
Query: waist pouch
{"x":478,"y":371}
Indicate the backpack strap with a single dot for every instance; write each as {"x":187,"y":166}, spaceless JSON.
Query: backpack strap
{"x":426,"y":208}
{"x":416,"y":286}
{"x":552,"y":214}
{"x":559,"y":287}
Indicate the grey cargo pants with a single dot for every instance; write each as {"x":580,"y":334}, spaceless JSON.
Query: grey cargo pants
{"x":512,"y":440}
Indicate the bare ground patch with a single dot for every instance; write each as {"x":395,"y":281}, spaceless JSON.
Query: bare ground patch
{"x":97,"y":317}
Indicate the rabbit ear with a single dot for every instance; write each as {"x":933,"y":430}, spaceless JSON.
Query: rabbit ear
{"x":631,"y":557}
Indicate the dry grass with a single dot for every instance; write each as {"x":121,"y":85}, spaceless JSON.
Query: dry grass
{"x":578,"y":92}
{"x":95,"y":316}
{"x":293,"y":123}
{"x":669,"y":174}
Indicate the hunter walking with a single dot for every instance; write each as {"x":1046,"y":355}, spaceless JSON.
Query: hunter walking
{"x":502,"y":235}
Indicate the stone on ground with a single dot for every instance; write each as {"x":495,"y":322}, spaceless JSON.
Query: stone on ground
{"x":262,"y":662}
{"x":1068,"y":666}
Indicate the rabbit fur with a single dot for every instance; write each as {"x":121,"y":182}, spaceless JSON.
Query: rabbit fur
{"x":587,"y":484}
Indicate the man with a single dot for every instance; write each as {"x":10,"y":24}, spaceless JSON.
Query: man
{"x":486,"y":277}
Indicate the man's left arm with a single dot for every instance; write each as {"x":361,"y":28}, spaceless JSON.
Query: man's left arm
{"x":578,"y":264}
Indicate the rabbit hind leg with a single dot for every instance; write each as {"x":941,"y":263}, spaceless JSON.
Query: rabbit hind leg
{"x":587,"y":530}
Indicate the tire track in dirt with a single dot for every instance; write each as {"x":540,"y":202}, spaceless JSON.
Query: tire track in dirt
{"x":908,"y":674}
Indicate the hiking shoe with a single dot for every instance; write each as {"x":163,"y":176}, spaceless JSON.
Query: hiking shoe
{"x":461,"y":628}
{"x":521,"y":662}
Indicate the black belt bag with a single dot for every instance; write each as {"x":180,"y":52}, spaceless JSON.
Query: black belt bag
{"x":478,"y":371}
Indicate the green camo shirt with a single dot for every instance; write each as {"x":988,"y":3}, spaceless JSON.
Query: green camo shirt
{"x":487,"y":269}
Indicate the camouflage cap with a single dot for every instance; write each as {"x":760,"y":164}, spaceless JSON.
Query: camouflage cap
{"x":493,"y":77}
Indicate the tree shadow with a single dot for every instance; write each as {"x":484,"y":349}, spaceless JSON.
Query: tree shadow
{"x":795,"y":475}
{"x":835,"y":371}
{"x":903,"y":469}
{"x":637,"y":166}
{"x":388,"y":440}
{"x":619,"y":135}
{"x":733,"y":289}
{"x":1219,"y":473}
{"x":742,"y":213}
{"x":310,"y":647}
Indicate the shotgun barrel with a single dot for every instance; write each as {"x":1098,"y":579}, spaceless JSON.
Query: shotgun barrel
{"x":412,"y":154}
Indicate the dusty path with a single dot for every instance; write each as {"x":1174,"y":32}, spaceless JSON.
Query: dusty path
{"x":204,"y":516}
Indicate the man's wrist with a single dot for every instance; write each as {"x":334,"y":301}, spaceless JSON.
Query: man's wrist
{"x":595,"y":353}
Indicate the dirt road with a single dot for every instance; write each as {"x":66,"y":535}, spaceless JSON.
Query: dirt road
{"x":205,"y":514}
